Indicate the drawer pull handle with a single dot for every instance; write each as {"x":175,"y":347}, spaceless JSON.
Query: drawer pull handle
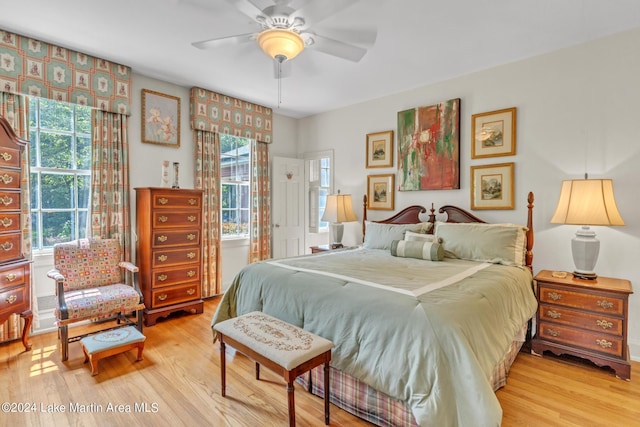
{"x":6,"y":222}
{"x":6,"y":200}
{"x":191,"y":273}
{"x":6,"y":156}
{"x":162,"y":297}
{"x":553,"y":332}
{"x":163,"y":218}
{"x":191,"y":292}
{"x":604,"y":324}
{"x":554,"y":314}
{"x":191,"y":218}
{"x":163,"y":200}
{"x":162,"y":258}
{"x":193,"y":202}
{"x":11,"y":277}
{"x":555,"y":296}
{"x":604,"y":343}
{"x":6,"y":246}
{"x":162,"y":239}
{"x":162,"y":277}
{"x":191,"y":255}
{"x":605,"y":304}
{"x":6,"y":178}
{"x":191,"y":236}
{"x":12,"y":299}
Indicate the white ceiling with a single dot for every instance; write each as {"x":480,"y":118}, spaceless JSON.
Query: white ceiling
{"x":419,"y":42}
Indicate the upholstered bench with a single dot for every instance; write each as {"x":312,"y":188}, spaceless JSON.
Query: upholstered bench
{"x":108,"y":343}
{"x":280,"y":346}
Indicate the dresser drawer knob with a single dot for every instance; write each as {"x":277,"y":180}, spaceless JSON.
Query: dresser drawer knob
{"x":191,"y":273}
{"x":11,"y":277}
{"x":162,"y":239}
{"x":162,"y":277}
{"x":6,"y":222}
{"x":12,"y":298}
{"x":163,"y":218}
{"x":191,"y":236}
{"x":553,"y":314}
{"x":553,"y":332}
{"x":163,"y":200}
{"x":6,"y":156}
{"x":6,"y":246}
{"x":193,"y":202}
{"x":605,"y":304}
{"x":191,"y":292}
{"x":191,"y":218}
{"x":6,"y":200}
{"x":554,"y":296}
{"x":191,"y":255}
{"x":604,"y":343}
{"x":162,"y":297}
{"x":604,"y":324}
{"x":6,"y":178}
{"x":162,"y":258}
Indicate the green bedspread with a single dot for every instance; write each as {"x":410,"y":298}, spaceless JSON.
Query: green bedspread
{"x":426,"y":333}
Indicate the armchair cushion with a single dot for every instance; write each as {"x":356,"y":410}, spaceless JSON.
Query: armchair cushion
{"x":96,"y":303}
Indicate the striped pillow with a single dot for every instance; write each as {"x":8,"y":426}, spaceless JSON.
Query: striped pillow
{"x":430,"y":251}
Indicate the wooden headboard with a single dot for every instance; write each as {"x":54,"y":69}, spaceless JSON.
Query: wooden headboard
{"x":411,"y":215}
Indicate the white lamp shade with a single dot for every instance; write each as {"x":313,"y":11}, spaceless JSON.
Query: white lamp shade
{"x":339,"y":208}
{"x":587,"y":202}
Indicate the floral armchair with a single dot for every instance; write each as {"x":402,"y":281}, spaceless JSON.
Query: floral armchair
{"x":89,"y":286}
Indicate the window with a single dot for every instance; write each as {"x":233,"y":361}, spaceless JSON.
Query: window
{"x":60,"y":166}
{"x":319,"y":180}
{"x":235,"y":172}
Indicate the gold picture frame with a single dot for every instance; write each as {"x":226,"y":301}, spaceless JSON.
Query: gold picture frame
{"x":160,"y":118}
{"x":380,"y":149}
{"x":493,"y":134}
{"x":380,"y":192}
{"x":492,"y":186}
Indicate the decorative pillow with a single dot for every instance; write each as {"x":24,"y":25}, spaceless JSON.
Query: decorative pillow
{"x":431,"y":251}
{"x":411,"y":235}
{"x":496,"y":243}
{"x":380,"y":236}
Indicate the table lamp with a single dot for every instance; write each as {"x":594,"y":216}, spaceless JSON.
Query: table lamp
{"x":586,"y":202}
{"x":339,"y":209}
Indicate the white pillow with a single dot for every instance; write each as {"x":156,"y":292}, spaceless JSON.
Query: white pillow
{"x":496,"y":243}
{"x":411,"y":235}
{"x":380,"y":236}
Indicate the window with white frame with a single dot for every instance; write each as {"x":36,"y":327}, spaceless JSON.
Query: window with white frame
{"x":60,"y":171}
{"x":235,"y":173}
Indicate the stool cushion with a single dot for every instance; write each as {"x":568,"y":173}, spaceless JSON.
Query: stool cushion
{"x":282,"y":343}
{"x":111,"y":339}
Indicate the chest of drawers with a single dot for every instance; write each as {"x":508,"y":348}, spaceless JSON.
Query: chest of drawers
{"x":169,"y":250}
{"x":15,"y":269}
{"x":584,"y":318}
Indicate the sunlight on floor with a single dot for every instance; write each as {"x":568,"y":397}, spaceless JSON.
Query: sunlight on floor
{"x":42,"y":363}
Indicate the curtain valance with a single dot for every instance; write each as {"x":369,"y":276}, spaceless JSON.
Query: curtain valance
{"x":32,"y":67}
{"x":218,"y":113}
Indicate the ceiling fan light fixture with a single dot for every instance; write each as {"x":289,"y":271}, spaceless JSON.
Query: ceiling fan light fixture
{"x":277,"y":43}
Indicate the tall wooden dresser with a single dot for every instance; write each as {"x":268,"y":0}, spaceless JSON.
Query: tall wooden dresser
{"x":15,"y":269}
{"x":169,"y":250}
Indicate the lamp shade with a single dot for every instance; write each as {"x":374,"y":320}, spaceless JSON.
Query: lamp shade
{"x":280,"y":44}
{"x":587,"y":202}
{"x":339,"y":208}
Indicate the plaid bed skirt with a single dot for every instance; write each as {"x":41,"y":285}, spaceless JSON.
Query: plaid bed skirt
{"x":369,"y":404}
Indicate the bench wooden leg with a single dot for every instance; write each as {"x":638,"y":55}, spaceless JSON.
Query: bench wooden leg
{"x":327,"y":392}
{"x":292,"y":405}
{"x":223,"y":367}
{"x":257,"y":371}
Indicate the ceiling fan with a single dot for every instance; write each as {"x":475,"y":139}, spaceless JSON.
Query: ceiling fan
{"x":284,"y":32}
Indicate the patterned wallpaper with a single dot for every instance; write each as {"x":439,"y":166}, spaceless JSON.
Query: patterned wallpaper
{"x":218,"y":113}
{"x":32,"y":67}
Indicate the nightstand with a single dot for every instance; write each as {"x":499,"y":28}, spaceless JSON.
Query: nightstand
{"x":584,"y":318}
{"x":323,"y":248}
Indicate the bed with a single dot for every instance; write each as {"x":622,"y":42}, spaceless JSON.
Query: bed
{"x":427,"y":315}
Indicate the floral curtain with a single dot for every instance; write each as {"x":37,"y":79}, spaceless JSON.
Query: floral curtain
{"x":15,"y":109}
{"x":110,"y":210}
{"x":260,"y":236}
{"x":207,"y":178}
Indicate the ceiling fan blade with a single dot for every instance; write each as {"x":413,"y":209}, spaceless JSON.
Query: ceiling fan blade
{"x":317,"y":11}
{"x":246,"y":7}
{"x":225,"y":41}
{"x":337,"y":48}
{"x":364,"y":37}
{"x":281,"y":70}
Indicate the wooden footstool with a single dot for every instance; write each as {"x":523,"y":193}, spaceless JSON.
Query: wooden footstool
{"x":280,"y":346}
{"x":108,"y":343}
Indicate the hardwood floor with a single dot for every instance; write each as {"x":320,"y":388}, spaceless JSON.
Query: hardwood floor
{"x":178,"y":383}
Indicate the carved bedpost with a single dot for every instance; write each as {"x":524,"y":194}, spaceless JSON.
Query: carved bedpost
{"x":364,"y":214}
{"x":529,"y":254}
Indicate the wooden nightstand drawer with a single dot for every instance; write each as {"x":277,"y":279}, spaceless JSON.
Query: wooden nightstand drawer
{"x":591,"y":321}
{"x":574,"y":298}
{"x":581,"y":339}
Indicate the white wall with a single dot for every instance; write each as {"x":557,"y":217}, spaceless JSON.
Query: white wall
{"x":578,"y":111}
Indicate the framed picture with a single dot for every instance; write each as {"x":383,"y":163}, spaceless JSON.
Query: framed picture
{"x":492,"y":186}
{"x":160,"y":118}
{"x":380,"y":149}
{"x":493,"y":134}
{"x":380,"y":192}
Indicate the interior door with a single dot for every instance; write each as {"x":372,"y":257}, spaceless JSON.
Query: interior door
{"x":287,"y":208}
